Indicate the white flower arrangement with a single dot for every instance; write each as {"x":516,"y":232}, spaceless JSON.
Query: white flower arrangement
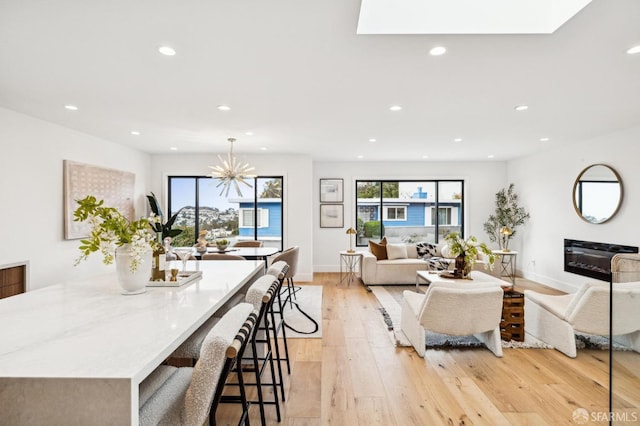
{"x":110,"y":229}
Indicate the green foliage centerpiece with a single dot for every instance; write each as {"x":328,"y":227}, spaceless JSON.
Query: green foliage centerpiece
{"x":110,"y":229}
{"x":466,"y":253}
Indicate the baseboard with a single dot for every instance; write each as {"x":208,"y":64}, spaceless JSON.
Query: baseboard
{"x":550,"y":282}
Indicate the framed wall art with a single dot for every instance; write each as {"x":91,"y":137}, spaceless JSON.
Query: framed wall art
{"x":331,"y":216}
{"x":115,"y":187}
{"x":331,"y":190}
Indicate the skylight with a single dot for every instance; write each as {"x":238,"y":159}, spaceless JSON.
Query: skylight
{"x":466,"y":16}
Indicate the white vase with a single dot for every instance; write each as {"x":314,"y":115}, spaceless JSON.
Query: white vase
{"x":132,"y":282}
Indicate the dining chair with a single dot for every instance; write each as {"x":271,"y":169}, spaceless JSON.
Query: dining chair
{"x":248,"y":243}
{"x":188,"y":395}
{"x":290,"y":257}
{"x":221,"y":256}
{"x":279,"y":270}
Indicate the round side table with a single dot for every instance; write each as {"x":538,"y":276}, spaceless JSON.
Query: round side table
{"x":507,"y":264}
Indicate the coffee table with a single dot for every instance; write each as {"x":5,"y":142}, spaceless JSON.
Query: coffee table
{"x":428,"y":277}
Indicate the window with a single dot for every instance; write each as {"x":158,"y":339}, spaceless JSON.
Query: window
{"x":200,"y":207}
{"x":408,"y":210}
{"x":395,"y":213}
{"x":247,"y":215}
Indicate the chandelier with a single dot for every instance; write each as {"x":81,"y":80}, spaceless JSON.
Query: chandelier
{"x":231,"y":172}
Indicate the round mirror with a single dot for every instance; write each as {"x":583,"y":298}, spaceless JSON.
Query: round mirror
{"x":597,"y":193}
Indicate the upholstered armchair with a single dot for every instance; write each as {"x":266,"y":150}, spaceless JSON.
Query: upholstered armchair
{"x":554,"y":319}
{"x":458,"y":309}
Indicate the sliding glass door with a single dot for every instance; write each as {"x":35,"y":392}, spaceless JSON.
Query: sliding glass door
{"x":254,"y":215}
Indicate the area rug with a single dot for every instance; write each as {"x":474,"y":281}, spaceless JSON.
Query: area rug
{"x":390,"y":299}
{"x":303,"y":316}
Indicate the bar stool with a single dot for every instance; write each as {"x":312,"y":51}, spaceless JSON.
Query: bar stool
{"x":187,"y":395}
{"x":261,"y":295}
{"x":190,"y":349}
{"x":279,"y":270}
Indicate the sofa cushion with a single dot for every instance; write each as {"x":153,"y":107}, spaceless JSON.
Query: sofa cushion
{"x":396,"y":251}
{"x":412,"y":251}
{"x":426,"y":250}
{"x":379,"y":250}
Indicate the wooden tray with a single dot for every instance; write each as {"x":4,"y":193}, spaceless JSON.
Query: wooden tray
{"x":183,"y":278}
{"x":450,"y":275}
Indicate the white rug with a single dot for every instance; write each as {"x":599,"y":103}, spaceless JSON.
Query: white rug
{"x":304,"y":319}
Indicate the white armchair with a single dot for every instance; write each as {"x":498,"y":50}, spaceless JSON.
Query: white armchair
{"x":454,"y":308}
{"x":555,"y":319}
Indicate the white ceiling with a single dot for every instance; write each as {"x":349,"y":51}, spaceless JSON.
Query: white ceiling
{"x":296,"y":75}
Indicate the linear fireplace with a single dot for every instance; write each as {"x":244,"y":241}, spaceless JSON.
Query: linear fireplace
{"x":592,"y":259}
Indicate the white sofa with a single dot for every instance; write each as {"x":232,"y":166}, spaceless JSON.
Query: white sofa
{"x":403,"y":270}
{"x":394,"y":271}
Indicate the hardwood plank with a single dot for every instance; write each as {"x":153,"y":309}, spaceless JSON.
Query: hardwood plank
{"x":304,"y":399}
{"x":337,"y":400}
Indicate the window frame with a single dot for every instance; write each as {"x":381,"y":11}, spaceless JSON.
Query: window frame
{"x":380,"y":203}
{"x":197,"y":179}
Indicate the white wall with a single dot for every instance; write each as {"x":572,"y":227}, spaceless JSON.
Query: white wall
{"x":297,"y":173}
{"x":482,"y":181}
{"x":31,"y":210}
{"x":545,"y":181}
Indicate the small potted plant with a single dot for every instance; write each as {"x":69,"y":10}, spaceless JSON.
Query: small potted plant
{"x":466,"y":253}
{"x":222,"y":244}
{"x":129,"y":244}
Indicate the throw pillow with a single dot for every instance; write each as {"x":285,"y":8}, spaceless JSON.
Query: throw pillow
{"x":396,"y":251}
{"x":426,"y":250}
{"x":379,"y":250}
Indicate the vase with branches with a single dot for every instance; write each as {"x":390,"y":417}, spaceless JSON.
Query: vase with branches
{"x":109,"y":230}
{"x":501,"y":225}
{"x":466,"y":253}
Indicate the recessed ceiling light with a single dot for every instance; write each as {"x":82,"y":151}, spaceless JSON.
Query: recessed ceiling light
{"x":360,"y":156}
{"x":71,"y":107}
{"x":457,"y":140}
{"x":425,"y":156}
{"x":264,"y":148}
{"x":135,"y":133}
{"x":490,"y":156}
{"x":395,"y":108}
{"x":224,"y":107}
{"x":544,"y":139}
{"x":173,"y":148}
{"x":372,"y":140}
{"x":248,"y":133}
{"x":521,"y":108}
{"x":634,"y":50}
{"x":438,"y":50}
{"x":167,"y":50}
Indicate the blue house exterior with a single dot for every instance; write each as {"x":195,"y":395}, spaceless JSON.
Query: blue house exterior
{"x":269,"y":219}
{"x":418,"y":211}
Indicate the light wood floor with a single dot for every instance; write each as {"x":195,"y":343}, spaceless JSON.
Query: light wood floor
{"x":355,"y":376}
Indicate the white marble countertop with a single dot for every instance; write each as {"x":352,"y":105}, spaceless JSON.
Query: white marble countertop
{"x":87,"y":329}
